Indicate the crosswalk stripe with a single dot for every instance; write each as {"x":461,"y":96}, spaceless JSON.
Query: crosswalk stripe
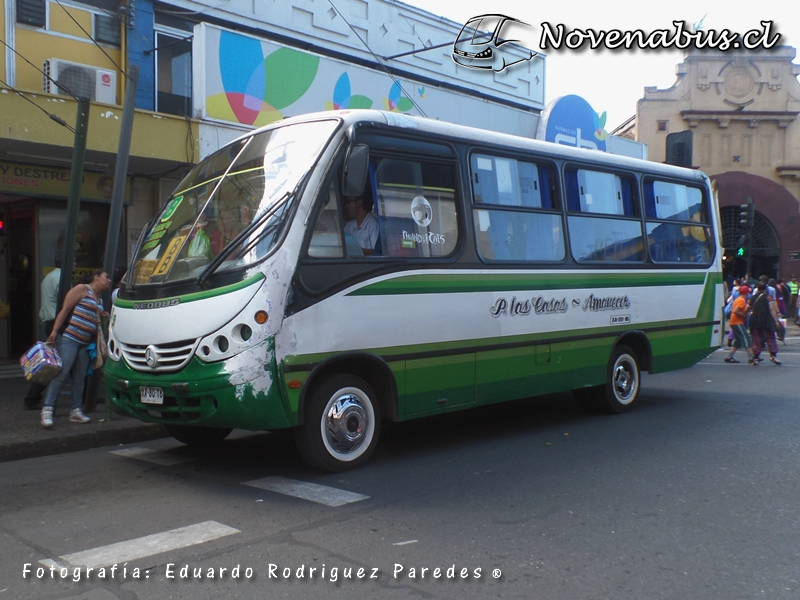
{"x":321,"y":494}
{"x":142,"y":547}
{"x":152,"y":456}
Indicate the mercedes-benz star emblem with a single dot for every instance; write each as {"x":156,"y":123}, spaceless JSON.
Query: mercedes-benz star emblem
{"x":151,"y":356}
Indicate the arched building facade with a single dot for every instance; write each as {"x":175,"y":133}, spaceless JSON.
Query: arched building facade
{"x":734,"y":115}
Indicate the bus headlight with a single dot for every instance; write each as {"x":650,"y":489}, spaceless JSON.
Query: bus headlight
{"x":114,"y":350}
{"x":235,"y":337}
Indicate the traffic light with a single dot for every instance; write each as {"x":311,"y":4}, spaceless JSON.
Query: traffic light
{"x":747,"y":213}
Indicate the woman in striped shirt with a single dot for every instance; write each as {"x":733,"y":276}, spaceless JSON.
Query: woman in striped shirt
{"x":74,"y":329}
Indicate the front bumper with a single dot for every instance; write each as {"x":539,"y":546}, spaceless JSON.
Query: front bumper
{"x":244,"y":392}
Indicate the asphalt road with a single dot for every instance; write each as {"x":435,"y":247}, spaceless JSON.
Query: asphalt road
{"x":694,"y":495}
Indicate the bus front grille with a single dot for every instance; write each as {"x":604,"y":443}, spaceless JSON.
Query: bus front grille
{"x":159,"y":358}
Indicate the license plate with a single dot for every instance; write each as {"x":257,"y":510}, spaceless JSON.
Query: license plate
{"x":152,"y":395}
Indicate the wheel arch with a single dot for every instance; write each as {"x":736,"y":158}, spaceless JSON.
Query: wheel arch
{"x":369,"y":367}
{"x":638,"y":342}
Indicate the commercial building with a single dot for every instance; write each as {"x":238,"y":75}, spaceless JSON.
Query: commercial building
{"x":207,"y":72}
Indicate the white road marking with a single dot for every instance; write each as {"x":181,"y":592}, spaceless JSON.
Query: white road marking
{"x":142,"y":547}
{"x":152,"y":456}
{"x":321,"y":494}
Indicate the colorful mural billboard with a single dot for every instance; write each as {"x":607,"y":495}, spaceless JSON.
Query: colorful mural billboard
{"x":255,"y":82}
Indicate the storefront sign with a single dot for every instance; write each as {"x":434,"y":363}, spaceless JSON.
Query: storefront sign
{"x":571,"y":121}
{"x":34,"y":180}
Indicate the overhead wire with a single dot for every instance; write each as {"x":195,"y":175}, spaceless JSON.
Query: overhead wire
{"x":54,"y":117}
{"x":378,"y":60}
{"x":193,"y":12}
{"x":53,"y":81}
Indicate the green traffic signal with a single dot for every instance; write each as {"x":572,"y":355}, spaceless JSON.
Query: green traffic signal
{"x":740,"y":252}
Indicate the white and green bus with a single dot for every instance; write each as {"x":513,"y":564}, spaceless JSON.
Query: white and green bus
{"x":504,"y":268}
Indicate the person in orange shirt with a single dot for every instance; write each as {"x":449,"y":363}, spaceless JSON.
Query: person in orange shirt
{"x":741,"y":337}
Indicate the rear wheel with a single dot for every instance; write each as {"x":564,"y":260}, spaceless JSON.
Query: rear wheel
{"x":198,"y":436}
{"x":622,"y":385}
{"x":621,"y":389}
{"x":341,"y":426}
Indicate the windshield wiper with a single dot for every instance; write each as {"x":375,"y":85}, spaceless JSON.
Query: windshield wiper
{"x":247,"y":231}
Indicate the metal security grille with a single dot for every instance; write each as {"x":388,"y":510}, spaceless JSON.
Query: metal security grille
{"x":764,"y":242}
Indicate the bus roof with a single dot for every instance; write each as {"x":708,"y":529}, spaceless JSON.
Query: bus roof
{"x":485,"y":136}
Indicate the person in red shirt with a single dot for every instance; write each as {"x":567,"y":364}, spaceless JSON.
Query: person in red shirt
{"x":741,"y":337}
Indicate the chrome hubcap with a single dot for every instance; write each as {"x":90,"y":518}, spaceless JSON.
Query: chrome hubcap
{"x":625,"y":380}
{"x":347,"y":424}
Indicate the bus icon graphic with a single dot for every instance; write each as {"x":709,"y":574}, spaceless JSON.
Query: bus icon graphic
{"x":480,"y":44}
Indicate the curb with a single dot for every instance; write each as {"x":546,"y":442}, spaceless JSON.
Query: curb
{"x":138,"y":432}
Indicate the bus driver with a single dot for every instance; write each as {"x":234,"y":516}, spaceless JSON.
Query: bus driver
{"x":362,"y":223}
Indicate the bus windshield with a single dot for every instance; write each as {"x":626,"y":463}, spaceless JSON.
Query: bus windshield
{"x":232,"y":208}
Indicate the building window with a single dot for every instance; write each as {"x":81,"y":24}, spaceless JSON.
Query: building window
{"x":31,"y":12}
{"x":173,"y":58}
{"x":106,"y":29}
{"x":106,"y":23}
{"x":662,"y":125}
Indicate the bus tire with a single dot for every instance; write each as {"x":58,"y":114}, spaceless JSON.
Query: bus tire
{"x":621,"y":389}
{"x":198,"y":437}
{"x":342,"y":424}
{"x":624,"y":379}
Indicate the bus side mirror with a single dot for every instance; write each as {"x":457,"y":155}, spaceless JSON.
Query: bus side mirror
{"x":355,"y":170}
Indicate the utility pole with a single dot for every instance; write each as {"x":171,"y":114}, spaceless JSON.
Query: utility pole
{"x":74,"y":202}
{"x":120,"y":178}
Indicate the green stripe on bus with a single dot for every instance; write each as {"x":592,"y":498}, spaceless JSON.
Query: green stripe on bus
{"x":447,"y":283}
{"x":700,"y":325}
{"x":234,"y":287}
{"x":680,"y":328}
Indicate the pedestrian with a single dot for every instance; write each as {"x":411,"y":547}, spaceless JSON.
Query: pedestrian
{"x":784,"y":291}
{"x":728,"y":305}
{"x":782,"y":297}
{"x":739,"y":313}
{"x":74,"y":329}
{"x":47,"y":315}
{"x":763,"y":320}
{"x":794,"y":287}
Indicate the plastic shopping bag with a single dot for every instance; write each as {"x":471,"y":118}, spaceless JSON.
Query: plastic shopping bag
{"x":41,"y":363}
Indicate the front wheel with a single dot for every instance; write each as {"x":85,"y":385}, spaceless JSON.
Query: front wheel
{"x":341,"y":426}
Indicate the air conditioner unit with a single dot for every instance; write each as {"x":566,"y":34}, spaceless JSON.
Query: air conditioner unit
{"x":79,"y":80}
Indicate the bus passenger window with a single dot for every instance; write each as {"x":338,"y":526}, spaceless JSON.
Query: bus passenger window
{"x":416,"y":208}
{"x":516,"y":221}
{"x":677,"y":227}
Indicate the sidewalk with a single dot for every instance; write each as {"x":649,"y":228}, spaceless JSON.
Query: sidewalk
{"x":21,"y":435}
